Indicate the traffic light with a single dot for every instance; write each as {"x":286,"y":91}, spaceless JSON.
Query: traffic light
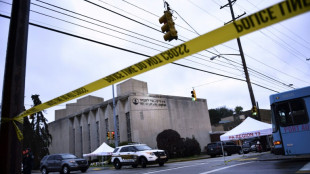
{"x":194,"y":98}
{"x":254,"y":111}
{"x":108,"y":136}
{"x":168,"y":27}
{"x":113,"y":135}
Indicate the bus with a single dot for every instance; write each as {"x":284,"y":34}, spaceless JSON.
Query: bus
{"x":290,"y":122}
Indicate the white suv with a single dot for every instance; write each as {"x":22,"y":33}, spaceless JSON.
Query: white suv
{"x":137,"y":154}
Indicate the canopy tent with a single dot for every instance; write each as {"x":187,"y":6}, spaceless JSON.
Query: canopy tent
{"x":102,"y":150}
{"x":249,"y":128}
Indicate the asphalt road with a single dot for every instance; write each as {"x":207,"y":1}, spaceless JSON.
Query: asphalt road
{"x":239,"y":164}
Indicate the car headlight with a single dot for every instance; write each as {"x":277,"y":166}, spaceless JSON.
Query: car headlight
{"x":73,"y":162}
{"x":150,"y":153}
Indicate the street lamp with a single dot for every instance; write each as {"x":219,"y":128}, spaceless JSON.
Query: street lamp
{"x":220,"y":55}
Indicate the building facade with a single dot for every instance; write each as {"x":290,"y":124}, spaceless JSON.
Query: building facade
{"x":82,"y":127}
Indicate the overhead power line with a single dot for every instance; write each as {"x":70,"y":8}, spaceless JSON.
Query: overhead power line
{"x":134,"y":52}
{"x":129,"y":30}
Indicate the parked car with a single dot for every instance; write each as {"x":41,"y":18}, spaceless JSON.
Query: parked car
{"x":137,"y":154}
{"x":249,"y":145}
{"x":63,"y":163}
{"x":246,"y":147}
{"x":229,"y":148}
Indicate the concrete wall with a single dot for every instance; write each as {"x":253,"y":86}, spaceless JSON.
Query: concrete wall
{"x":85,"y":128}
{"x":81,"y":104}
{"x":132,"y":86}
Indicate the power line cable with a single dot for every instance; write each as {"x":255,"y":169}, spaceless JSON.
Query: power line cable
{"x":123,"y":49}
{"x":183,"y":41}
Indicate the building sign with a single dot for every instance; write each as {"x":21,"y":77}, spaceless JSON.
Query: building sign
{"x":148,"y":103}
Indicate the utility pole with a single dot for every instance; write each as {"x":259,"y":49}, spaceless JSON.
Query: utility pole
{"x":14,"y":87}
{"x":116,"y":124}
{"x":241,"y":53}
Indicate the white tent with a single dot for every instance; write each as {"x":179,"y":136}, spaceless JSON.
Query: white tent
{"x":102,"y":150}
{"x":247,"y":129}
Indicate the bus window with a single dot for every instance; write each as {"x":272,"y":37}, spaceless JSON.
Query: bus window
{"x":298,"y":112}
{"x":283,"y":112}
{"x":291,"y":113}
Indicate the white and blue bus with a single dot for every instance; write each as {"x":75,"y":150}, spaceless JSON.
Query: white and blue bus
{"x":290,"y":122}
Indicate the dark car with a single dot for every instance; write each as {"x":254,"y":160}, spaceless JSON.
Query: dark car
{"x":249,"y":145}
{"x":246,"y":147}
{"x":229,"y":148}
{"x":63,"y":163}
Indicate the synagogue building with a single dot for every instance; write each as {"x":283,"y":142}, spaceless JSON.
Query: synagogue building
{"x":82,"y":126}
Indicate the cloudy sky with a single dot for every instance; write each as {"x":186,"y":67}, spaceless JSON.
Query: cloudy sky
{"x":56,"y":63}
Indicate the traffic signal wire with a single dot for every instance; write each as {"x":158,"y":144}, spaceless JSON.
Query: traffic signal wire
{"x":110,"y":29}
{"x":135,"y":43}
{"x":222,"y":45}
{"x":134,"y":52}
{"x":132,"y":31}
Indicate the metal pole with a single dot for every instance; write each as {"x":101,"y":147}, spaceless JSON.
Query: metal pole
{"x":14,"y":87}
{"x":114,"y":117}
{"x":223,"y":152}
{"x":243,"y":60}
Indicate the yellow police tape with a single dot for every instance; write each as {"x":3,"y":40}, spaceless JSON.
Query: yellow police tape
{"x":256,"y":21}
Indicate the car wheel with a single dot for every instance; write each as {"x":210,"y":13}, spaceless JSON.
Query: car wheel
{"x":83,"y":170}
{"x":65,"y":170}
{"x":240,"y":152}
{"x":134,"y":165}
{"x":117,"y":164}
{"x":161,"y":163}
{"x":44,"y":170}
{"x":143,"y":162}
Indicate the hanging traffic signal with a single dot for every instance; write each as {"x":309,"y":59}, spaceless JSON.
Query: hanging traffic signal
{"x":113,"y":135}
{"x":168,"y":27}
{"x":194,"y":98}
{"x":108,"y":136}
{"x":254,"y":111}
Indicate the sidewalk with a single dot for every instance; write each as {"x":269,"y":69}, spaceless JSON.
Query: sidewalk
{"x":267,"y":156}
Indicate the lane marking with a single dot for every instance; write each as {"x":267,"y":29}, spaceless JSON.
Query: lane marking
{"x":305,"y":168}
{"x":158,"y":171}
{"x":223,"y":168}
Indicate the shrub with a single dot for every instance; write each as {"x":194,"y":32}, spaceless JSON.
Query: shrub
{"x":175,"y":146}
{"x":191,"y":147}
{"x":170,"y":141}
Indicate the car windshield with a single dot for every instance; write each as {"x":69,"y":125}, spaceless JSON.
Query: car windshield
{"x":68,"y":156}
{"x":143,"y":147}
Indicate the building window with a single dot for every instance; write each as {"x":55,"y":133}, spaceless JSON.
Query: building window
{"x":73,"y":140}
{"x":97,"y":130}
{"x":129,"y":139}
{"x":106,"y":127}
{"x":117,"y":127}
{"x":89,"y":142}
{"x":81,"y":140}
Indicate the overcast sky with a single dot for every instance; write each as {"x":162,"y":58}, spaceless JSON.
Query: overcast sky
{"x":56,"y":63}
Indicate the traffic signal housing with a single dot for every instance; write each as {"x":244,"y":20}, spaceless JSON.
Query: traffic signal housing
{"x":108,"y":136}
{"x":168,"y":27}
{"x":113,"y":135}
{"x":254,"y":111}
{"x":194,"y":98}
